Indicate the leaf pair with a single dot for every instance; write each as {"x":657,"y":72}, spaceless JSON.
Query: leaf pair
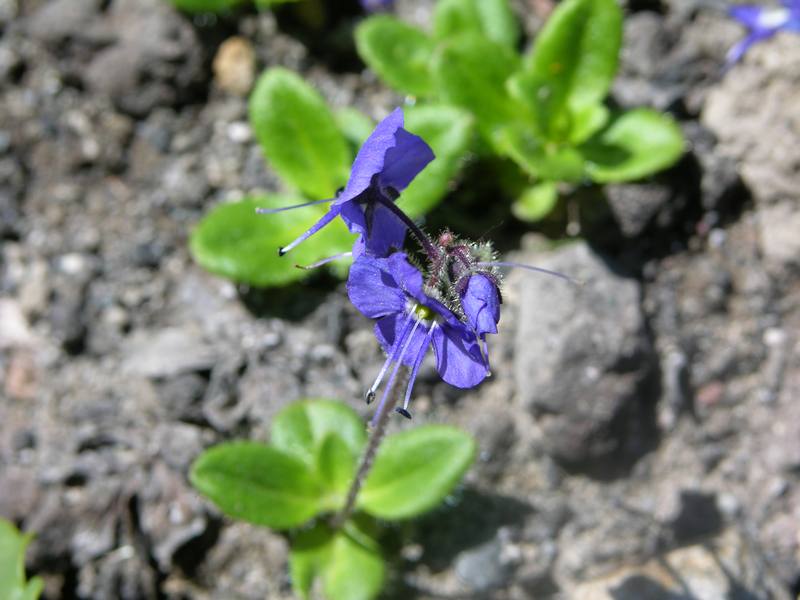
{"x":306,"y":471}
{"x":12,"y":565}
{"x":312,"y":150}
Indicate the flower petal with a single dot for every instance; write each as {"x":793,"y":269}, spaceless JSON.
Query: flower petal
{"x":389,"y":329}
{"x":481,"y":304}
{"x":405,"y":160}
{"x":381,"y":231}
{"x":370,"y":158}
{"x":372,"y":289}
{"x":458,"y":357}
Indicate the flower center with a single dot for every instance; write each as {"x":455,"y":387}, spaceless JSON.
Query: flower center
{"x":423,"y":313}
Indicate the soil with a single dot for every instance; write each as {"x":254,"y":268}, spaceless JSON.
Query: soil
{"x":639,"y":438}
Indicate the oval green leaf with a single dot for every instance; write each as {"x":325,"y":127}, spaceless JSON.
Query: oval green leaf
{"x":415,"y":470}
{"x":491,"y":18}
{"x":298,"y":134}
{"x":541,"y":159}
{"x":471,"y":71}
{"x":448,"y":131}
{"x":573,"y":62}
{"x":399,"y":53}
{"x":536,"y":202}
{"x":12,"y":565}
{"x":347,"y":561}
{"x":636,"y":144}
{"x":235,"y":242}
{"x":257,"y":483}
{"x":302,"y":427}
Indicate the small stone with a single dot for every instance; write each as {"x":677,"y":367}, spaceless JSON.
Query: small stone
{"x":235,"y":66}
{"x":167,"y":353}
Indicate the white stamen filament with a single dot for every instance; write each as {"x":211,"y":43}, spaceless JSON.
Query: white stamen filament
{"x":269,"y":211}
{"x":417,"y":363}
{"x":324,"y":261}
{"x":370,"y":395}
{"x":398,"y":362}
{"x":531,"y":268}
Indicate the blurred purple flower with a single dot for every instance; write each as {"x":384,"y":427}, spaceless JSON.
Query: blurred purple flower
{"x":376,"y":5}
{"x":386,"y":163}
{"x":408,"y":321}
{"x":763,"y":22}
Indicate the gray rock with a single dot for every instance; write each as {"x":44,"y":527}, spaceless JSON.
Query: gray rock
{"x":727,"y":567}
{"x":583,"y":356}
{"x":155,"y":62}
{"x":484,"y":567}
{"x":636,"y":206}
{"x":60,"y":20}
{"x":167,"y":353}
{"x":761,"y":130}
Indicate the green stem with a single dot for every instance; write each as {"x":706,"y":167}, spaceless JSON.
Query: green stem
{"x":377,"y":431}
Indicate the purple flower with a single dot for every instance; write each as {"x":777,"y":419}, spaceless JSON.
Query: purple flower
{"x":408,"y":321}
{"x":386,"y":163}
{"x":763,"y":22}
{"x":376,"y":5}
{"x":480,"y":302}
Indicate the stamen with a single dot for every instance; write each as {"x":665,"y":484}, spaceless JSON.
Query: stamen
{"x":370,"y":395}
{"x":324,"y":261}
{"x":270,"y":211}
{"x":417,"y":363}
{"x":396,"y":368}
{"x":514,"y":265}
{"x":324,"y":220}
{"x":403,"y":412}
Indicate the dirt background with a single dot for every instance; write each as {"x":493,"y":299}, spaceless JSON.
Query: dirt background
{"x":640,"y":437}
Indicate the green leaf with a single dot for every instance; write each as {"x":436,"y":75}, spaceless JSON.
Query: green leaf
{"x":201,"y":6}
{"x":572,"y":63}
{"x":491,"y":18}
{"x":257,"y":483}
{"x":262,"y":4}
{"x":298,"y":133}
{"x":235,"y":242}
{"x":415,"y":470}
{"x":636,"y":144}
{"x":302,"y":427}
{"x":12,"y":565}
{"x":536,"y":202}
{"x":472,"y":72}
{"x":448,"y":131}
{"x":544,"y":160}
{"x":347,"y":563}
{"x":336,"y":466}
{"x":399,"y":53}
{"x":354,"y":125}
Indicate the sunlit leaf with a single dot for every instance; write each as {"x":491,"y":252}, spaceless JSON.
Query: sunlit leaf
{"x":235,"y":242}
{"x":347,"y":563}
{"x":258,"y":483}
{"x":491,"y":18}
{"x":415,"y":470}
{"x":636,"y":144}
{"x":536,"y":202}
{"x":299,"y":134}
{"x":398,"y":52}
{"x":13,"y":585}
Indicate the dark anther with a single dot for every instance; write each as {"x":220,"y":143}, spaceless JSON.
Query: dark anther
{"x":403,"y":412}
{"x":281,"y":251}
{"x":369,"y":396}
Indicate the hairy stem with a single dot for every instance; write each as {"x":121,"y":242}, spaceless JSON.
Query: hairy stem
{"x":377,"y":430}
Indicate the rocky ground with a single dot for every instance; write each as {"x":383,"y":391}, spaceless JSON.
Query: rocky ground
{"x":640,"y":438}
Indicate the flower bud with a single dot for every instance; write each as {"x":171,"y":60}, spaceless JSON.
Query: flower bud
{"x":480,"y":302}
